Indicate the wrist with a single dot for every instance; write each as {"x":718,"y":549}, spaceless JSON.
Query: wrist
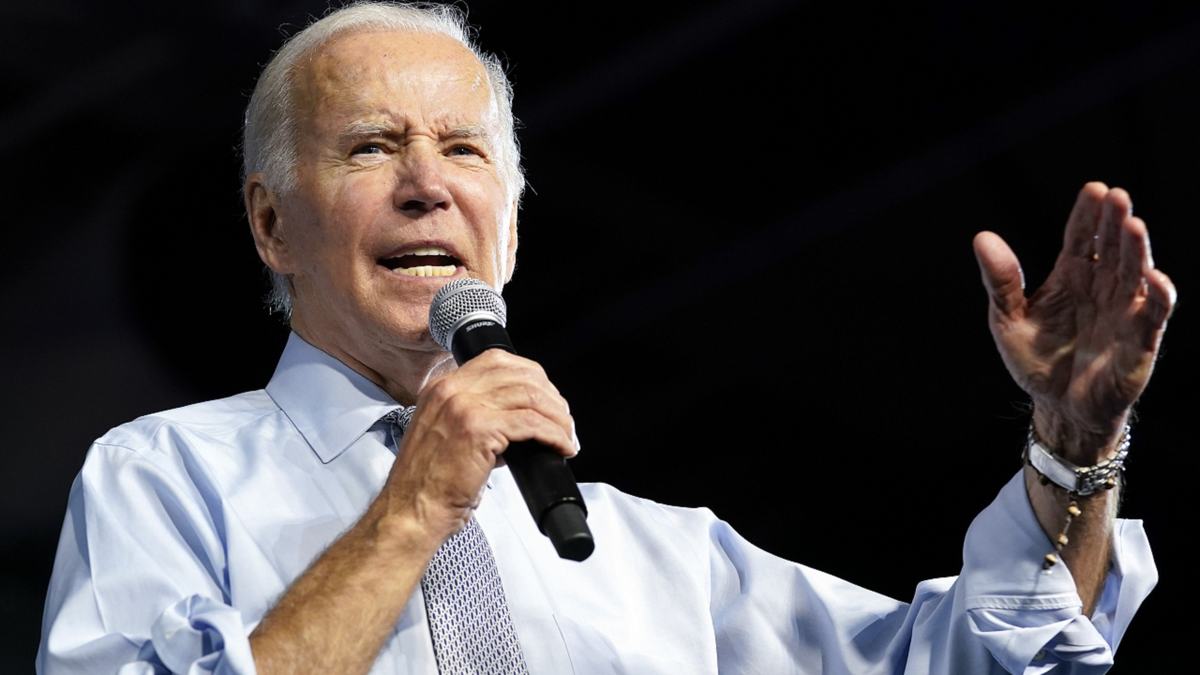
{"x":401,"y":533}
{"x":1077,"y":480}
{"x":1083,"y":444}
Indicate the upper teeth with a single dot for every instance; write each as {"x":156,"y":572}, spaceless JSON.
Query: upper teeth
{"x":428,"y":250}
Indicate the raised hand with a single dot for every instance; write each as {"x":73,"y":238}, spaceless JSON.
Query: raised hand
{"x":1083,"y":346}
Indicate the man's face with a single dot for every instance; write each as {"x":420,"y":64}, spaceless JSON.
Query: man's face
{"x":399,"y":188}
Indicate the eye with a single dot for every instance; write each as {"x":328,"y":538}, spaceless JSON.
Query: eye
{"x":368,"y":149}
{"x":462,"y":151}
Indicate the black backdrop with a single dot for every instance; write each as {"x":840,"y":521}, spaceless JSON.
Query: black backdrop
{"x":794,"y":185}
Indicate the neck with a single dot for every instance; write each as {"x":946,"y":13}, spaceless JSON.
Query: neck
{"x":400,"y":371}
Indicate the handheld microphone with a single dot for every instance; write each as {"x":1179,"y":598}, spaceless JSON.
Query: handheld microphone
{"x":467,"y":317}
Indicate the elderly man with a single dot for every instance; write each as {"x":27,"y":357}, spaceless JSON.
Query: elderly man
{"x":324,"y":525}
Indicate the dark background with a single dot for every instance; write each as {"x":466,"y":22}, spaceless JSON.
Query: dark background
{"x":793,"y":186}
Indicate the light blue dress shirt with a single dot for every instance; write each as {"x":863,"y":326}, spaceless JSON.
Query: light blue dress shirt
{"x":184,"y":527}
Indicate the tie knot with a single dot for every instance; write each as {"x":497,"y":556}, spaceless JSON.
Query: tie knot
{"x":400,"y":417}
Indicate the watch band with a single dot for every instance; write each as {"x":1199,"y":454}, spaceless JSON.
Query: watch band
{"x":1081,"y":480}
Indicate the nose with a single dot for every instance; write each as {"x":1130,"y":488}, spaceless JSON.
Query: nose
{"x":421,"y":185}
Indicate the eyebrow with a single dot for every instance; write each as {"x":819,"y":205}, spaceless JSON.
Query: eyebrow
{"x":468,"y":131}
{"x":360,"y":128}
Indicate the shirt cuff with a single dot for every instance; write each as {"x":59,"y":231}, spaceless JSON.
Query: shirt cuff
{"x":201,"y":635}
{"x":1030,"y":619}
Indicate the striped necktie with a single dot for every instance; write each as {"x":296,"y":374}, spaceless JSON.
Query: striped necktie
{"x":472,"y":629}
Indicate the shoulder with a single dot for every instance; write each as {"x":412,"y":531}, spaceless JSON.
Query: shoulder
{"x":190,"y":452}
{"x":210,"y":420}
{"x":193,"y":444}
{"x":652,"y":523}
{"x":629,"y":505}
{"x":172,"y":463}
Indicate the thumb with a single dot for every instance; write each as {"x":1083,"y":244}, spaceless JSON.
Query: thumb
{"x":1002,"y":276}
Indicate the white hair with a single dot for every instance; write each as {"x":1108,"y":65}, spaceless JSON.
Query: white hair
{"x":270,"y":135}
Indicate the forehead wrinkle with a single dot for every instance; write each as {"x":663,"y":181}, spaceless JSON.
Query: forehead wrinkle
{"x":340,"y":93}
{"x":331,"y":84}
{"x":345,"y":63}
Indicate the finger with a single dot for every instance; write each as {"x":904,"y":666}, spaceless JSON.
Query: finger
{"x":1160,"y":303}
{"x":528,"y":425}
{"x":526,"y":396}
{"x":1134,"y":256}
{"x":1116,"y":210}
{"x":1001,"y":271}
{"x":518,"y":387}
{"x":1078,"y":238}
{"x":494,"y":365}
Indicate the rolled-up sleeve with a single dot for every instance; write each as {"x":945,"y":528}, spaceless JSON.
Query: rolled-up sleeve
{"x":1029,"y":619}
{"x":1003,"y":613}
{"x":140,"y":582}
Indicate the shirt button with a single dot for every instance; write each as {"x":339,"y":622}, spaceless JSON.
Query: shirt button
{"x":1040,"y":655}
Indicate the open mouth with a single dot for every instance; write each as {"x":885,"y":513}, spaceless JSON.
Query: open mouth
{"x":427,"y":261}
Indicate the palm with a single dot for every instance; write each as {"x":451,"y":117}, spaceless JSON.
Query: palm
{"x":1083,"y":345}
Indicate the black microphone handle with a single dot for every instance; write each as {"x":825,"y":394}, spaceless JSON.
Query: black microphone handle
{"x":542,"y":475}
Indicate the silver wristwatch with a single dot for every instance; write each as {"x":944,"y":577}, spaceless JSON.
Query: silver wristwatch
{"x":1081,"y":480}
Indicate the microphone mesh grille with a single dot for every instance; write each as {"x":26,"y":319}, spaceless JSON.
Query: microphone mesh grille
{"x":456,"y":300}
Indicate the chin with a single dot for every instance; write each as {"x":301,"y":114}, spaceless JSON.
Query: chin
{"x":409,"y":329}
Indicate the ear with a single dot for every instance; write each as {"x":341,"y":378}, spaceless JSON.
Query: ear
{"x":262,"y":210}
{"x":511,"y":262}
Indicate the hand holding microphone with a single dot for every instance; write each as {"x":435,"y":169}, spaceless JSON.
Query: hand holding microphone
{"x":467,"y":317}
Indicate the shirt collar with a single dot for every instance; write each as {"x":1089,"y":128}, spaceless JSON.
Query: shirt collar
{"x":331,"y":405}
